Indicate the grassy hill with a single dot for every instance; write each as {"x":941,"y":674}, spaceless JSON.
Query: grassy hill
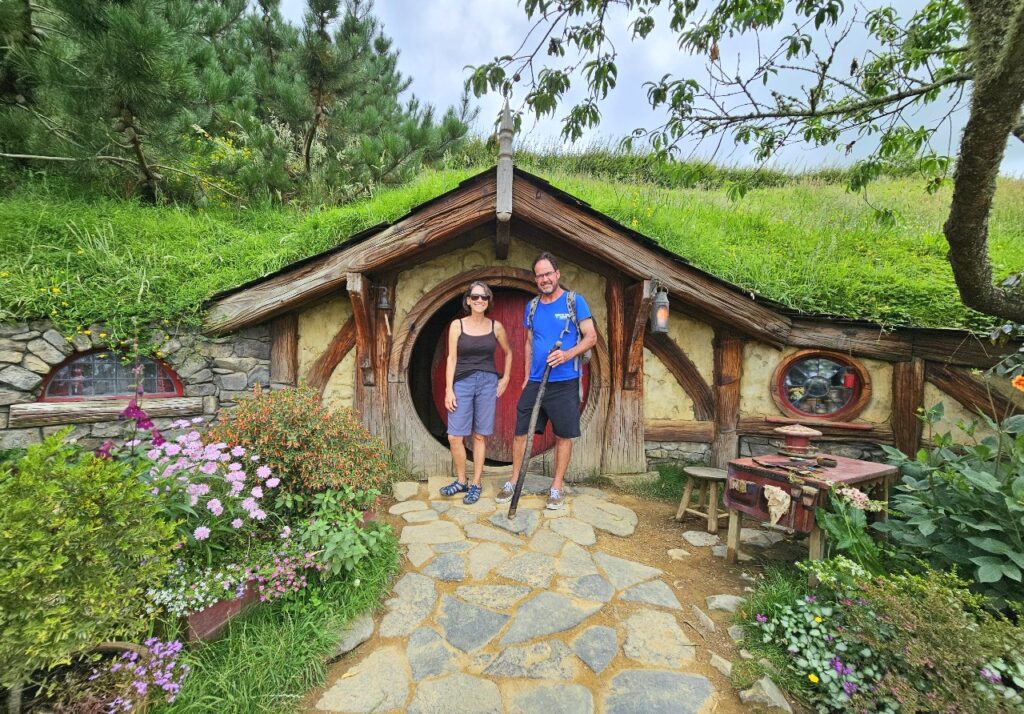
{"x":807,"y":244}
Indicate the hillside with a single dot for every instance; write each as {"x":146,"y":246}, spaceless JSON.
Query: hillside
{"x":809,"y":245}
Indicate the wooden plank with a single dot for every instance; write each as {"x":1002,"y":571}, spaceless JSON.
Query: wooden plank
{"x":592,"y":235}
{"x":907,"y":397}
{"x":970,"y":392}
{"x":765,"y":427}
{"x":623,"y":448}
{"x":502,"y":239}
{"x":685,"y":371}
{"x":638,"y":297}
{"x":728,"y":361}
{"x":284,"y":349}
{"x":93,"y":410}
{"x":702,"y":432}
{"x":958,"y":348}
{"x":874,"y":342}
{"x":433,"y":224}
{"x":359,"y":292}
{"x":321,"y":370}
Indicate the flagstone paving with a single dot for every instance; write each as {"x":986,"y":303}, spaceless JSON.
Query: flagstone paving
{"x":528,"y":615}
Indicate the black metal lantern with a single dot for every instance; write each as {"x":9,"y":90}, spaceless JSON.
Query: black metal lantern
{"x":659,"y":310}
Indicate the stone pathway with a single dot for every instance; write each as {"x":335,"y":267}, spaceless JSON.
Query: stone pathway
{"x":528,"y":615}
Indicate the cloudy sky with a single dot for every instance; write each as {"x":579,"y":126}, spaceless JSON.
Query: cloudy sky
{"x":437,"y":39}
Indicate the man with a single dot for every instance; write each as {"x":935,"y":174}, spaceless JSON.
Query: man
{"x":552,"y":316}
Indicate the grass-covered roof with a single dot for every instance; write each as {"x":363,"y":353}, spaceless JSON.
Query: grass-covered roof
{"x":808,"y":245}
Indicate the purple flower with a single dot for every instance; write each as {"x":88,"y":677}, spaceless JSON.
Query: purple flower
{"x":990,"y":675}
{"x":257,"y":492}
{"x":214,"y":506}
{"x":234,"y":466}
{"x":201,"y":533}
{"x":810,"y":598}
{"x":850,"y":688}
{"x":145,"y":423}
{"x":238,"y":451}
{"x":272,"y":482}
{"x":761,"y":618}
{"x":237,"y":523}
{"x":197,"y":420}
{"x":133,"y":411}
{"x":263,"y":472}
{"x":286,"y":532}
{"x":104,"y":451}
{"x":249,"y":504}
{"x":153,"y":454}
{"x":158,"y":439}
{"x":172,"y":449}
{"x":209,"y":467}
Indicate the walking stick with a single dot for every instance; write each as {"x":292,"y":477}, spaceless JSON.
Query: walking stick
{"x":517,"y":491}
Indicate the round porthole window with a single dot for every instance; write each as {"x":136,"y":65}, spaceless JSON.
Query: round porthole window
{"x":821,"y":385}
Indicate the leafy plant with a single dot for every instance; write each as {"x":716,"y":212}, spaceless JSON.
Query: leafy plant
{"x":334,"y":530}
{"x":83,"y":538}
{"x":310,"y":447}
{"x":961,"y":506}
{"x":846,"y":524}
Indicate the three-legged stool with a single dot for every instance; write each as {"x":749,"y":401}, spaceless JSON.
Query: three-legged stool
{"x":708,"y":480}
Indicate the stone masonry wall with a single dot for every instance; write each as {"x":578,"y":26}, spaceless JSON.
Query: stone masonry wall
{"x":220,"y":370}
{"x":677,"y":452}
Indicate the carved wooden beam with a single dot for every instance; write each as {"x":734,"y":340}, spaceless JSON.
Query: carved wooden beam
{"x":728,"y":348}
{"x":359,"y":292}
{"x":502,"y":239}
{"x":92,"y":410}
{"x":284,"y":349}
{"x":638,"y":297}
{"x":702,"y":432}
{"x":320,"y":371}
{"x":685,"y":371}
{"x":907,"y":396}
{"x":831,"y":431}
{"x":970,"y":392}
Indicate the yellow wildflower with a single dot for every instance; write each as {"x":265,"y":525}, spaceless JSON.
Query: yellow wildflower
{"x":64,"y":303}
{"x":55,"y":290}
{"x":81,"y":252}
{"x":103,"y":334}
{"x":86,"y":332}
{"x":818,"y":619}
{"x":813,"y":677}
{"x":4,"y":274}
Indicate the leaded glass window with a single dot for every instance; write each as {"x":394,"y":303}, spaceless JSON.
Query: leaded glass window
{"x":103,"y":374}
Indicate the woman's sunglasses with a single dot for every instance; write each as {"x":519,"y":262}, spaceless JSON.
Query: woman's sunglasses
{"x":485,"y":298}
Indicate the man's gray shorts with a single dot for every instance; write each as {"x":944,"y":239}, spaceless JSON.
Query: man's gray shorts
{"x":476,"y":396}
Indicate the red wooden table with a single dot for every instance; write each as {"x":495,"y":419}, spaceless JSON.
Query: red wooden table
{"x":808,"y":484}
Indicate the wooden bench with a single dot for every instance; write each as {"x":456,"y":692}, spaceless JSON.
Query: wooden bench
{"x":709,"y":481}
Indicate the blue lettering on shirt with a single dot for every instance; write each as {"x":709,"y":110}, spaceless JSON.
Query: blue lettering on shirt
{"x":548,"y":323}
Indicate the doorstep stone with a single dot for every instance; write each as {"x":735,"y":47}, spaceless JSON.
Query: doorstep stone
{"x":378,"y":683}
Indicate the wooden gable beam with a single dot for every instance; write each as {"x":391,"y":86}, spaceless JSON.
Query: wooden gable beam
{"x":590,"y":234}
{"x":320,"y":372}
{"x":359,"y":292}
{"x":685,"y":371}
{"x":638,"y":297}
{"x":973,"y":394}
{"x":456,"y":213}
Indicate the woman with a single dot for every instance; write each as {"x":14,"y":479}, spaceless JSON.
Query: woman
{"x":472,"y":386}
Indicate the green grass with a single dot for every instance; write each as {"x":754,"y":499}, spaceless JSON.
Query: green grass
{"x":807,"y":244}
{"x":668,"y":487}
{"x":269,"y":659}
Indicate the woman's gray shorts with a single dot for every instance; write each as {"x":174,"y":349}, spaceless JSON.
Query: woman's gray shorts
{"x":476,"y":395}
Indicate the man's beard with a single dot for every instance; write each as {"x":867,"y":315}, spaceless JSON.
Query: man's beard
{"x":548,"y":289}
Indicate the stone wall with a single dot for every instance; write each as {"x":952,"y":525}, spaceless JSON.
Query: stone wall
{"x":216,"y":372}
{"x":677,"y":452}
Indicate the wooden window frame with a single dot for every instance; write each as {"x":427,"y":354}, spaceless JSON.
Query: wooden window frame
{"x":847,"y":413}
{"x":179,"y":390}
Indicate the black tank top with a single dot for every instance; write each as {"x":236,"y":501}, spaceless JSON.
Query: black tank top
{"x":475,"y":353}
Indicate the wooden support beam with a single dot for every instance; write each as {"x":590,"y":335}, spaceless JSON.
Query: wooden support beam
{"x":362,"y":301}
{"x":970,"y":392}
{"x":624,"y":432}
{"x":685,"y":371}
{"x":417,"y":233}
{"x":702,"y":432}
{"x":907,"y":397}
{"x":502,"y":239}
{"x":728,"y":360}
{"x":284,"y":349}
{"x":831,"y":431}
{"x":851,"y":339}
{"x":93,"y":410}
{"x":320,"y":371}
{"x":638,"y":297}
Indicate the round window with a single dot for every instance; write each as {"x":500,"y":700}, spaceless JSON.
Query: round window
{"x":822,"y":385}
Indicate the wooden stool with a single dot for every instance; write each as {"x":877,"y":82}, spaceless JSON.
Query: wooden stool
{"x":708,"y":480}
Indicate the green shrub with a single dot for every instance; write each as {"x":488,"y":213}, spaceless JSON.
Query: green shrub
{"x":897,"y":643}
{"x":311,"y":448}
{"x":81,"y":541}
{"x":962,"y":506}
{"x":335,"y":532}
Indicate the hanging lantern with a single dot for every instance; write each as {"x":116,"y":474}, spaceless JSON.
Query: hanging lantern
{"x":659,"y":311}
{"x":382,"y":302}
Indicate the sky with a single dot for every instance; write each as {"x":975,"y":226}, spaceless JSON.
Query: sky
{"x":437,"y":39}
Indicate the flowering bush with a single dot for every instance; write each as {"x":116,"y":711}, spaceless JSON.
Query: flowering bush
{"x":134,"y":676}
{"x":898,"y":643}
{"x":310,"y":447}
{"x":846,"y":524}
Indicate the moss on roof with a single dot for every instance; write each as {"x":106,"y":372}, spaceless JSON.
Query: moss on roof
{"x":810,"y":246}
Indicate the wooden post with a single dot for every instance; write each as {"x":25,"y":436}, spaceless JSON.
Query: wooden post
{"x":728,"y":358}
{"x":359,"y":292}
{"x":638,"y":298}
{"x":624,"y":428}
{"x":503,"y":194}
{"x":284,"y":350}
{"x":732,"y":540}
{"x":907,"y":397}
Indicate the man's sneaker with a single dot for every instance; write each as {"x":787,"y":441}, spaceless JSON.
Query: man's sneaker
{"x":505,"y":494}
{"x":453,"y":488}
{"x":472,"y":496}
{"x":556,"y":500}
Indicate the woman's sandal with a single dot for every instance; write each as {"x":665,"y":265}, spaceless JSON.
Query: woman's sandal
{"x":472,"y":496}
{"x":453,"y":488}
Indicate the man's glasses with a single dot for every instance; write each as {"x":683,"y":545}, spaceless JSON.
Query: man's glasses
{"x":485,"y":298}
{"x":545,"y":275}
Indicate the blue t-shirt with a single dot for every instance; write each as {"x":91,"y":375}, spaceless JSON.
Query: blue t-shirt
{"x":548,"y":323}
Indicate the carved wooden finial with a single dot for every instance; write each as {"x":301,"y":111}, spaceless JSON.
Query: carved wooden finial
{"x":504,"y":197}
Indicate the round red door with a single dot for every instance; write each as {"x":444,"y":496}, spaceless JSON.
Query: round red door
{"x":509,"y":306}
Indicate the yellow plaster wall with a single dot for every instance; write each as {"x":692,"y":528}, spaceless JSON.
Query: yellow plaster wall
{"x":953,"y":412}
{"x":317,"y":327}
{"x":664,"y":398}
{"x":760,"y":361}
{"x":696,"y":339}
{"x":414,"y":283}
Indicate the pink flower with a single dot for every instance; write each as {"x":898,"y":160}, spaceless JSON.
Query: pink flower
{"x":214,"y":506}
{"x":209,"y":467}
{"x":286,"y":532}
{"x":271,"y":483}
{"x":263,"y":472}
{"x":857,"y":498}
{"x":256,"y":492}
{"x":249,"y":504}
{"x":153,"y":454}
{"x":238,"y":451}
{"x":234,"y":466}
{"x":172,"y":449}
{"x":201,"y":533}
{"x":237,"y":523}
{"x":259,"y":514}
{"x":254,"y":457}
{"x":197,"y":420}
